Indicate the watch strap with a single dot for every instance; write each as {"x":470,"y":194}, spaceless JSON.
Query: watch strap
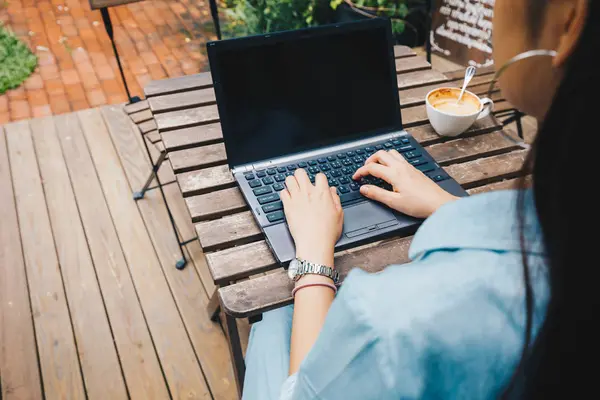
{"x":307,"y":267}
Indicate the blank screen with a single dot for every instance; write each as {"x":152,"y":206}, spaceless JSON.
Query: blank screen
{"x":285,"y":96}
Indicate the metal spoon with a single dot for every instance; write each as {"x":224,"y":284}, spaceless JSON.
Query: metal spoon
{"x":469,"y":74}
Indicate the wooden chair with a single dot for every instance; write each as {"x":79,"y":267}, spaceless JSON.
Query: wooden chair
{"x":103,"y":5}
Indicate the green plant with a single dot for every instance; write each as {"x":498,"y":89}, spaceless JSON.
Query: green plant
{"x":396,"y":10}
{"x":249,"y":17}
{"x":17,"y":62}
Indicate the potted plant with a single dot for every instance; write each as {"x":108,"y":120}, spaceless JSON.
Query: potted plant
{"x":409,"y":17}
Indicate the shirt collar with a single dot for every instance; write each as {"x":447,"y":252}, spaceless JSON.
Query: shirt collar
{"x":485,"y":221}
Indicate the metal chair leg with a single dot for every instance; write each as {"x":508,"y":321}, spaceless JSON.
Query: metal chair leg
{"x":519,"y":125}
{"x":428,"y":10}
{"x":109,"y":30}
{"x":516,"y":118}
{"x":215,"y":16}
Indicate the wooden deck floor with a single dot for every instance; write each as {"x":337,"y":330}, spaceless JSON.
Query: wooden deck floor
{"x":91,"y":303}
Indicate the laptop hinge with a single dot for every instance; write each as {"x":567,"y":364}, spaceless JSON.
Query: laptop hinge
{"x":241,"y":168}
{"x":315,"y":153}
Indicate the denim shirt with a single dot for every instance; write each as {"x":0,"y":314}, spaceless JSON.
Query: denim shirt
{"x":449,"y":324}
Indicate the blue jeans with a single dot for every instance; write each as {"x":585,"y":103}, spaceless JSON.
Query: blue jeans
{"x":268,"y":355}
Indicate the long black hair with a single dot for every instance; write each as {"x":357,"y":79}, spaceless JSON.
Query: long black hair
{"x":563,"y":356}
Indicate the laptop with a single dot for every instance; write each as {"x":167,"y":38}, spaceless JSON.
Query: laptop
{"x":323,"y":99}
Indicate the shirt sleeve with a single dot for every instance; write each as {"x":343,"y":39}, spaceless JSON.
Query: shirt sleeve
{"x":443,"y":327}
{"x":287,"y":390}
{"x":351,"y":348}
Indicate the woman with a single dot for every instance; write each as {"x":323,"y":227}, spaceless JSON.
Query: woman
{"x":490,"y":275}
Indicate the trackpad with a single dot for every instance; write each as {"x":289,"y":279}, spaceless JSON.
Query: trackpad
{"x":367,"y":217}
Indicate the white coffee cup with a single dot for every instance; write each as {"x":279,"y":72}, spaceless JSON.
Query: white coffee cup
{"x":447,"y":124}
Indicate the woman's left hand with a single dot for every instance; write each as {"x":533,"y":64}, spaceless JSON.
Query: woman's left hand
{"x":314,"y":215}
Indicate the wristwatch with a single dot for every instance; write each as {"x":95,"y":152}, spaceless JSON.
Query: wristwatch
{"x":298,"y":268}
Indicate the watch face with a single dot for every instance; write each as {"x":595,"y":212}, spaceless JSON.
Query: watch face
{"x":293,"y":269}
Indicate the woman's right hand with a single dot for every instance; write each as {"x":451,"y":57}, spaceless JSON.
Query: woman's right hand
{"x":413,"y":192}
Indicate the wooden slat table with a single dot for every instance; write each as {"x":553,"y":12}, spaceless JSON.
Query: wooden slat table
{"x":242,"y":266}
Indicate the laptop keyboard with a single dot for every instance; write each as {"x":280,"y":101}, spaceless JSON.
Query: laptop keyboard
{"x":339,"y":169}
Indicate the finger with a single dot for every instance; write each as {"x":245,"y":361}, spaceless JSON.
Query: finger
{"x":378,"y":194}
{"x":376,"y":170}
{"x":292,"y":185}
{"x":302,"y":179}
{"x":321,"y":181}
{"x":336,"y":199}
{"x":381,"y":157}
{"x":397,"y":156}
{"x":284,"y":195}
{"x":286,"y":199}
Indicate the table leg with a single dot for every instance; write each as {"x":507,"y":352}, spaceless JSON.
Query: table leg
{"x":140,"y":194}
{"x":255,"y":318}
{"x":214,"y":307}
{"x":235,"y":349}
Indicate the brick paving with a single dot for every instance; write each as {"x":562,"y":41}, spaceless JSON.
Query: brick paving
{"x":77,"y":68}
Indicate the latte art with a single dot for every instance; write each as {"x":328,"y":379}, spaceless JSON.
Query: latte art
{"x":445,"y":100}
{"x":452,"y":107}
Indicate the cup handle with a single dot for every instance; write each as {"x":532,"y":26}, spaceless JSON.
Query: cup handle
{"x":488,"y":107}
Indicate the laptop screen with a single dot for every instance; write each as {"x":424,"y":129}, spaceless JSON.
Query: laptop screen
{"x":296,"y":91}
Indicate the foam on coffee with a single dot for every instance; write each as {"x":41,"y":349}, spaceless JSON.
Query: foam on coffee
{"x":445,"y":100}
